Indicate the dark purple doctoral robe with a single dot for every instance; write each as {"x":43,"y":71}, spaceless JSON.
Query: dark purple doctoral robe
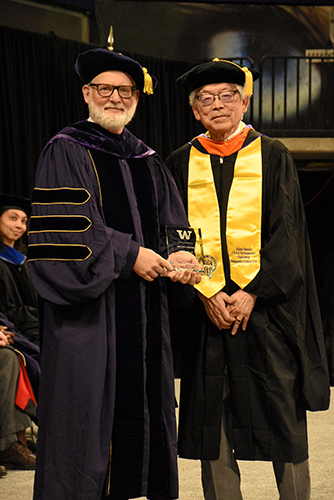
{"x":106,"y":413}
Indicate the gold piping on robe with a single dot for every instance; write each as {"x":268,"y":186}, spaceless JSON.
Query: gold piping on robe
{"x":60,"y":196}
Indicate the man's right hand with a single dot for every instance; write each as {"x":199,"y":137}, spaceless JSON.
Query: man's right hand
{"x":149,"y":265}
{"x":216,"y":309}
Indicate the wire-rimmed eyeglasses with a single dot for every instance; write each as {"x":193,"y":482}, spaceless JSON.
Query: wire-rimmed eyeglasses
{"x":207,"y":99}
{"x":105,"y":90}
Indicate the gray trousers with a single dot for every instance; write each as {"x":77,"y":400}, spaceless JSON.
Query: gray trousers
{"x":221,"y":478}
{"x":12,"y":418}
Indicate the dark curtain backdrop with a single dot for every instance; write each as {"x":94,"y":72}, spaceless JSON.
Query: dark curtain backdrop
{"x":40,"y":94}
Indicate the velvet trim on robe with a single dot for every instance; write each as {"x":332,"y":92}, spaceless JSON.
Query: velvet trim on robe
{"x":104,"y":330}
{"x":91,"y":135}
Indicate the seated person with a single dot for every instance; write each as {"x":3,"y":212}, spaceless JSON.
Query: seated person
{"x":30,"y":351}
{"x":17,"y":409}
{"x":18,"y":299}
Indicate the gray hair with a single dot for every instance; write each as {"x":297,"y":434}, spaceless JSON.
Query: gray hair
{"x":193,"y":95}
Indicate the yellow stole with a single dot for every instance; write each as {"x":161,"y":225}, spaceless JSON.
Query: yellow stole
{"x":243,"y":217}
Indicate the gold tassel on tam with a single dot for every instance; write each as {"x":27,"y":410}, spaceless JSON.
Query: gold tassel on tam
{"x":148,"y":83}
{"x":248,"y":81}
{"x":248,"y":75}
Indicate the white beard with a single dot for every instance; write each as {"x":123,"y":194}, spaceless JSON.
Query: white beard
{"x":111,"y":123}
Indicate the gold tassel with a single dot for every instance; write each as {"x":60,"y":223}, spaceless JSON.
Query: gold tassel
{"x":248,"y":81}
{"x":248,"y":75}
{"x":148,"y":83}
{"x":111,"y":39}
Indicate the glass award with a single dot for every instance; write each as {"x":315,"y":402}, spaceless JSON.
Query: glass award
{"x":189,"y":239}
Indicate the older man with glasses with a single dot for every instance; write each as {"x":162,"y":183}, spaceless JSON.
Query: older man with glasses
{"x":253,"y":357}
{"x":98,"y":258}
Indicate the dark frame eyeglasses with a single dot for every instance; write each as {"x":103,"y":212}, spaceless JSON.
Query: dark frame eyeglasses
{"x":206,"y":99}
{"x":105,"y":90}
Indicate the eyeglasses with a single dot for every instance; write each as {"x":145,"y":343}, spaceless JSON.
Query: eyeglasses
{"x":104,"y":90}
{"x":208,"y":99}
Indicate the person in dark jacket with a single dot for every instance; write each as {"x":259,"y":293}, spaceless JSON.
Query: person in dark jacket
{"x":253,"y":357}
{"x":18,"y":298}
{"x":98,"y":258}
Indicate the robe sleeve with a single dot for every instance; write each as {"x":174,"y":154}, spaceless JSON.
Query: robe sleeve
{"x":73,"y":256}
{"x":286,"y":284}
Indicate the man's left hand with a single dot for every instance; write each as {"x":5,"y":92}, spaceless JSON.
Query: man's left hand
{"x":241,"y":309}
{"x":184,"y":259}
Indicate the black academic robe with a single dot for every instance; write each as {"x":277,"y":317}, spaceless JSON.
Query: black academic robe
{"x":18,"y":299}
{"x":276,"y":369}
{"x":107,"y":407}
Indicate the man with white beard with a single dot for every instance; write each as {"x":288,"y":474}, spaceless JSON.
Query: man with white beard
{"x":97,"y":254}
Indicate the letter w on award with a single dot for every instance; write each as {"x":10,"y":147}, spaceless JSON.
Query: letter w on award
{"x":185,"y":234}
{"x":188,"y":239}
{"x":184,"y":238}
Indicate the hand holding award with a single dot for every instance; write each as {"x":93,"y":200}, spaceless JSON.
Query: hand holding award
{"x":185,"y":250}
